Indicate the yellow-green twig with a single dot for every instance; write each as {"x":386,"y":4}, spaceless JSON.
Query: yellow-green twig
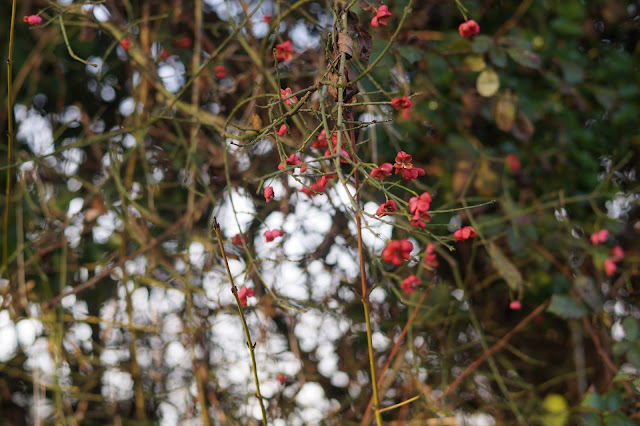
{"x":250,"y":345}
{"x":7,"y":199}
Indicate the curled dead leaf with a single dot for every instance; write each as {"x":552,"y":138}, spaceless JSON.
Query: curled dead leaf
{"x":345,"y":45}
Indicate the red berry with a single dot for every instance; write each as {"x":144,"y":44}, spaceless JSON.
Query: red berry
{"x":125,"y":44}
{"x":220,"y":71}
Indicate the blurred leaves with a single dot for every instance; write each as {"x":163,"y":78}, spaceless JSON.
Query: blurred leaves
{"x":566,"y":307}
{"x":506,"y":268}
{"x":524,"y":57}
{"x":586,"y":289}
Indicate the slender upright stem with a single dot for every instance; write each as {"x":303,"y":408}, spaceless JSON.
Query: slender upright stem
{"x":234,"y":290}
{"x":363,"y":271}
{"x":7,"y":193}
{"x":191,"y":168}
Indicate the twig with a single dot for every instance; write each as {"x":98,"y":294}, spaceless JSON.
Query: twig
{"x":400,"y":404}
{"x":513,"y":21}
{"x":603,"y":354}
{"x":66,"y":41}
{"x":250,"y":344}
{"x":491,"y":350}
{"x":7,"y":199}
{"x":107,"y":271}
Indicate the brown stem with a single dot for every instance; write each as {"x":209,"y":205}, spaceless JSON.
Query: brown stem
{"x":491,"y":350}
{"x":107,"y":271}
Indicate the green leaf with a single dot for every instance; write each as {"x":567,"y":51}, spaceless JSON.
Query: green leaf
{"x":377,"y":48}
{"x":503,"y":265}
{"x":515,"y":41}
{"x":617,"y":419}
{"x":481,"y":44}
{"x":621,"y":377}
{"x":633,"y":356}
{"x":531,"y":231}
{"x":593,"y":400}
{"x":588,"y":292}
{"x":411,"y":53}
{"x":572,"y":73}
{"x":566,"y":27}
{"x":498,"y":57}
{"x":630,"y":326}
{"x":607,"y":97}
{"x":620,"y":347}
{"x":590,"y":419}
{"x":566,"y":307}
{"x":524,"y":57}
{"x":613,"y":401}
{"x":516,"y":240}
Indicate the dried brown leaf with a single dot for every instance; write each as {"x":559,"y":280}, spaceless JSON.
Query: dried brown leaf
{"x":351,"y":91}
{"x":364,"y":5}
{"x":345,"y":44}
{"x":364,"y":38}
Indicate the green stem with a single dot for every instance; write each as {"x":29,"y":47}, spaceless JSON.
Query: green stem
{"x":66,"y":41}
{"x":234,"y":290}
{"x":7,"y":199}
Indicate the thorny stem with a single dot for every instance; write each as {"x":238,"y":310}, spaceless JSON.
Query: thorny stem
{"x":250,"y":345}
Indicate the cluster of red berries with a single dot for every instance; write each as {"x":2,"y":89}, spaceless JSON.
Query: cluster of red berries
{"x":284,"y":51}
{"x":465,"y":233}
{"x":397,"y":251}
{"x":33,"y":20}
{"x":419,"y":208}
{"x":615,"y":256}
{"x":469,"y":28}
{"x":245,"y":292}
